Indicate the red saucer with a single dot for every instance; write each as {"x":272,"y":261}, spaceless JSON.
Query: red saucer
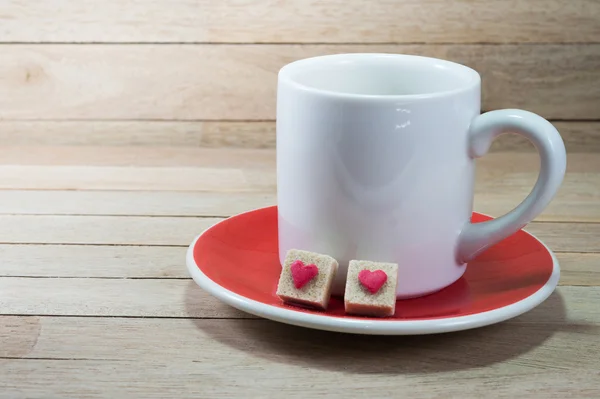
{"x":240,"y":255}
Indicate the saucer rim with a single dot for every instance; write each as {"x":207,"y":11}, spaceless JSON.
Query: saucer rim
{"x":370,"y":327}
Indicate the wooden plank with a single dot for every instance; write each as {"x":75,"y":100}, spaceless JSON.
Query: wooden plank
{"x":138,"y":156}
{"x":236,"y":82}
{"x":106,"y":230}
{"x":127,"y":297}
{"x":568,"y":206}
{"x":110,"y":297}
{"x":143,"y":230}
{"x":502,"y":181}
{"x":550,"y":345}
{"x":565,"y":207}
{"x":230,"y":158}
{"x":431,"y":21}
{"x":162,"y":168}
{"x":569,"y":310}
{"x":577,"y":201}
{"x":568,"y":237}
{"x":140,"y":203}
{"x":493,"y":164}
{"x":578,"y":136}
{"x":41,"y":177}
{"x":87,"y":261}
{"x":190,"y":380}
{"x":503,"y":164}
{"x":579,"y":269}
{"x":210,"y":134}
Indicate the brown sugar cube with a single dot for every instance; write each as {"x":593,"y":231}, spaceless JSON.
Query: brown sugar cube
{"x":306,"y":278}
{"x":371,"y":288}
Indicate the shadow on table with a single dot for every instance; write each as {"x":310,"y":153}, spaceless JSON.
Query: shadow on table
{"x":388,"y":354}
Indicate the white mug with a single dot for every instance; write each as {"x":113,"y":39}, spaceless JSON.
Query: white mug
{"x":376,"y":161}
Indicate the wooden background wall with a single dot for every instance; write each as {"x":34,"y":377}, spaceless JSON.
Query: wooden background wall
{"x":203,"y":73}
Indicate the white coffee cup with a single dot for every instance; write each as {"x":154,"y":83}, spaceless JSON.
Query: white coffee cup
{"x":376,"y":161}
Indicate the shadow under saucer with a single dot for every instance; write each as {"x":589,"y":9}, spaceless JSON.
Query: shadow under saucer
{"x":364,"y":354}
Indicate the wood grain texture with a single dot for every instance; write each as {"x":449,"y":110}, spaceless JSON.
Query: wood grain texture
{"x":203,"y":378}
{"x":216,"y":158}
{"x":234,"y":82}
{"x":578,"y":136}
{"x":568,"y":237}
{"x":567,"y":206}
{"x":81,"y":335}
{"x":497,"y":164}
{"x":106,"y":230}
{"x":210,"y":134}
{"x":272,"y":21}
{"x":138,"y":298}
{"x":531,"y":355}
{"x":579,"y":269}
{"x":218,"y":182}
{"x":41,"y":177}
{"x":83,"y":261}
{"x":144,"y":262}
{"x":127,"y":128}
{"x":570,"y":205}
{"x":138,"y":203}
{"x":110,"y":297}
{"x":140,"y":230}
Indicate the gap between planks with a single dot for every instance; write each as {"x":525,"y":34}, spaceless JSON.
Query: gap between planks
{"x":219,"y":216}
{"x":313,"y":43}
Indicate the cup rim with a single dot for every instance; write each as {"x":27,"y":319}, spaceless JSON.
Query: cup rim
{"x":473,"y":81}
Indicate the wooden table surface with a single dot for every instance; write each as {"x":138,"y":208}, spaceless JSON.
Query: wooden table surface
{"x":95,"y":300}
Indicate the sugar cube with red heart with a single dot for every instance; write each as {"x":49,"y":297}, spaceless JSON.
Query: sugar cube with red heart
{"x":371,"y":288}
{"x":306,"y":279}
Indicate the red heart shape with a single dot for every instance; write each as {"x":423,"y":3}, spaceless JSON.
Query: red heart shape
{"x":302,"y":274}
{"x":372,"y":281}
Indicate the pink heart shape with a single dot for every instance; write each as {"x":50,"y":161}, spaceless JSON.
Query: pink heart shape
{"x":302,"y":274}
{"x":372,"y":281}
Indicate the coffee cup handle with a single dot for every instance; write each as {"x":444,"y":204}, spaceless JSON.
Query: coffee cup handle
{"x":476,"y":237}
